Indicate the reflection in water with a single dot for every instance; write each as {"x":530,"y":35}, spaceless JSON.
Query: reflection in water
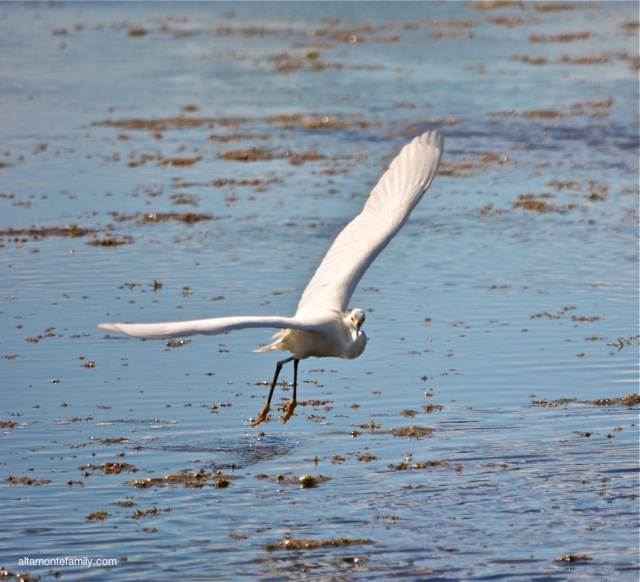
{"x":166,"y":161}
{"x":239,"y":453}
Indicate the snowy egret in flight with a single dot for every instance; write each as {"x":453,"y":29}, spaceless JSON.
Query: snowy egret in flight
{"x":320,"y":326}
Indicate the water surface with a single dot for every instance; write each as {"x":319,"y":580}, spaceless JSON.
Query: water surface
{"x":167,"y":161}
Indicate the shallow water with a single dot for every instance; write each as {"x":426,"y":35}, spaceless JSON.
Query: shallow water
{"x":483,"y":434}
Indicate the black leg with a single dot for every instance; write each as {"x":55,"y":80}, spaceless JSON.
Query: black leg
{"x":291,"y":405}
{"x":275,"y":377}
{"x":267,"y":406}
{"x":295,"y":377}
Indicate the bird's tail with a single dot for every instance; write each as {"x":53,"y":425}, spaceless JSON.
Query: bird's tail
{"x":276,"y":344}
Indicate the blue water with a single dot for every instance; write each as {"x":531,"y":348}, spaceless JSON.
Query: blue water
{"x":493,"y":326}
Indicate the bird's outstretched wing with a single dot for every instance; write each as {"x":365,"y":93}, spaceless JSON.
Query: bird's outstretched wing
{"x":214,"y":326}
{"x":363,"y":239}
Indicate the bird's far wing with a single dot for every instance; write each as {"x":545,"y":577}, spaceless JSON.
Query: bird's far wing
{"x":363,"y":239}
{"x":214,"y":326}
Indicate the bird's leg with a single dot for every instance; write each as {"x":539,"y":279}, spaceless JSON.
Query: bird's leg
{"x":267,"y":405}
{"x":291,"y":405}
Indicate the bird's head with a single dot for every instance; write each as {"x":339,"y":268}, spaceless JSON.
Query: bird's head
{"x":357,"y":318}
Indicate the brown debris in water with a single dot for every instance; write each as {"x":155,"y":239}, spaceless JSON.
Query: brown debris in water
{"x":308,"y":60}
{"x":236,"y":137}
{"x":553,"y":403}
{"x":237,"y":537}
{"x":299,"y":158}
{"x":159,"y":217}
{"x":561,"y":314}
{"x":558,"y":315}
{"x":109,"y":468}
{"x":13,"y":480}
{"x":585,"y":319}
{"x":305,"y":481}
{"x":562,"y":37}
{"x":542,"y":114}
{"x":553,"y":6}
{"x":185,"y":478}
{"x":408,"y":413}
{"x":172,"y":344}
{"x":180,"y":161}
{"x":141,"y":159}
{"x":534,"y":203}
{"x":258,"y":184}
{"x":71,"y":230}
{"x":308,"y":481}
{"x":366,"y":457}
{"x":629,"y":400}
{"x":247,"y":154}
{"x":112,"y":440}
{"x":155,"y":125}
{"x":409,"y":464}
{"x":111,"y":241}
{"x":574,"y":558}
{"x":98,"y":515}
{"x":531,"y":60}
{"x":412,"y":432}
{"x":139,"y":513}
{"x":326,"y":122}
{"x":308,"y":544}
{"x":626,"y":341}
{"x":586,"y":60}
{"x":467,"y":167}
{"x":253,"y":154}
{"x":429,"y":408}
{"x":372,"y":426}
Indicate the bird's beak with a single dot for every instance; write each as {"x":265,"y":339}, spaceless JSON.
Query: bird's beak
{"x":357,"y":322}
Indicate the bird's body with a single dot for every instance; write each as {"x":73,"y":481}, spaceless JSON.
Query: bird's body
{"x":335,"y":335}
{"x":321,"y":327}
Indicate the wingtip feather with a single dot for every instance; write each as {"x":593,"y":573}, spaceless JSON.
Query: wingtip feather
{"x":108,"y":326}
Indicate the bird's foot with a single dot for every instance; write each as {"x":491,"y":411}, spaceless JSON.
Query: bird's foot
{"x":288,"y":410}
{"x":263,"y":415}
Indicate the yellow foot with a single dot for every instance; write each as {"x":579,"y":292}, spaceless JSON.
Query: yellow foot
{"x":288,"y":410}
{"x":262,"y":416}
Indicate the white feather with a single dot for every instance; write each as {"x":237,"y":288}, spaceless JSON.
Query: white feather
{"x":365,"y":237}
{"x":321,"y":307}
{"x":319,"y":327}
{"x":213,"y":326}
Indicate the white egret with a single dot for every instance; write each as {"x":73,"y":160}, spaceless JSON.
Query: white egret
{"x":320,"y":326}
